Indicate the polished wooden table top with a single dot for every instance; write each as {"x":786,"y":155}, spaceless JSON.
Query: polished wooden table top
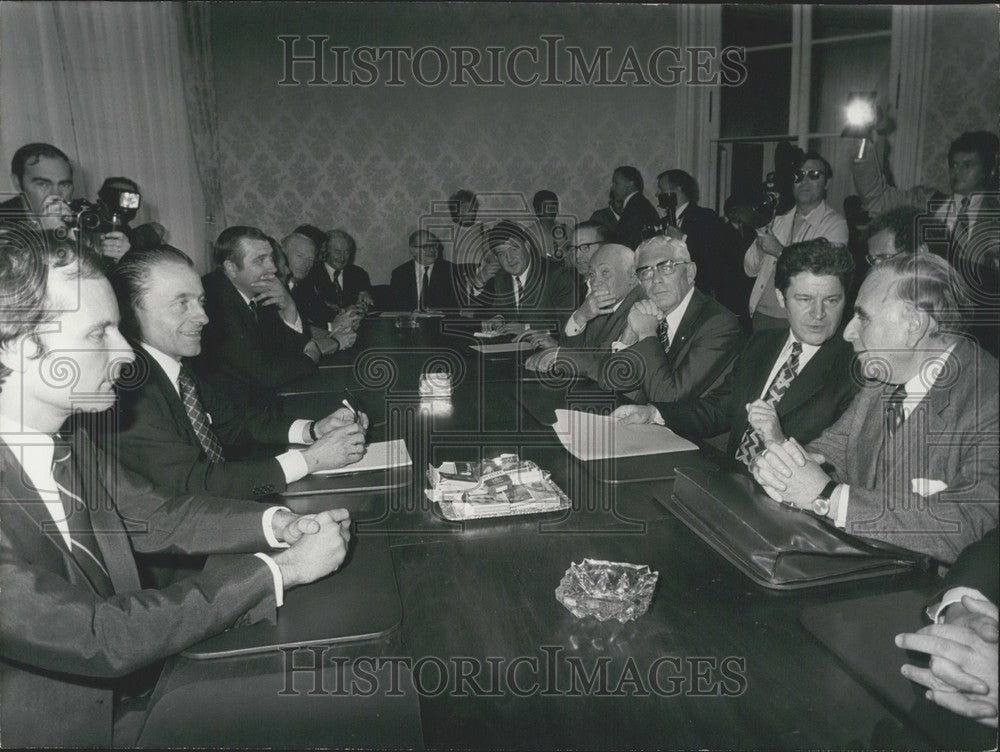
{"x":498,"y":662}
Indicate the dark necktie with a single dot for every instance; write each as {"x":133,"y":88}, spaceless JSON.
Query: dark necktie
{"x":752,"y":442}
{"x":663,"y":334}
{"x":253,"y":309}
{"x":83,"y":542}
{"x":423,"y":288}
{"x":961,"y":222}
{"x":520,"y":292}
{"x":338,"y":291}
{"x":196,"y":414}
{"x":894,"y":414}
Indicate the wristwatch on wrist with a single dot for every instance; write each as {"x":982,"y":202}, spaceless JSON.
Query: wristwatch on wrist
{"x":821,"y":505}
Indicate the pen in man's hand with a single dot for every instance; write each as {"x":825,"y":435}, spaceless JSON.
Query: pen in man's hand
{"x":357,"y":415}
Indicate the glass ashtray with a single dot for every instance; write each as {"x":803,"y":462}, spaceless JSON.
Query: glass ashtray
{"x":607,"y":589}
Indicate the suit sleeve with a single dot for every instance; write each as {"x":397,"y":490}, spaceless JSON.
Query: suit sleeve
{"x":702,"y":417}
{"x":150,"y":445}
{"x":876,"y":194}
{"x":236,"y":420}
{"x":50,"y":623}
{"x":977,"y":567}
{"x":712,"y":351}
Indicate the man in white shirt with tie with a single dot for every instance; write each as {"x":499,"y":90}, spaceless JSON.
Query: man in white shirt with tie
{"x":428,"y":281}
{"x":912,"y":461}
{"x":75,"y":618}
{"x":812,"y":217}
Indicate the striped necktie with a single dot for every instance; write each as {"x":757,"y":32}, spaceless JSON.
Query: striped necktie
{"x":196,"y":414}
{"x":520,"y":293}
{"x":894,"y":414}
{"x":83,"y":543}
{"x":752,"y":442}
{"x":663,"y":334}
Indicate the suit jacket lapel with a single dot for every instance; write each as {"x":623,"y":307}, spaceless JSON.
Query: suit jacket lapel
{"x":160,"y":382}
{"x":679,"y":341}
{"x":812,"y":378}
{"x":15,"y":490}
{"x":107,"y":525}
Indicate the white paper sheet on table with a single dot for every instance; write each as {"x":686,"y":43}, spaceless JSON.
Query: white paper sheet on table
{"x":414,"y":314}
{"x":379,"y":455}
{"x":504,"y":347}
{"x":596,"y":437}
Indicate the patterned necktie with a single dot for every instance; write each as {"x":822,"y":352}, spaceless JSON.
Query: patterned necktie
{"x":894,"y":414}
{"x":83,"y":542}
{"x":423,"y":288}
{"x":196,"y":414}
{"x":253,"y":309}
{"x":338,"y":291}
{"x":663,"y":334}
{"x":520,"y":292}
{"x":752,"y":442}
{"x":962,"y":222}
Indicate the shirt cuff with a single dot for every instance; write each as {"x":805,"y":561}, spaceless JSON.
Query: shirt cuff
{"x":279,"y":583}
{"x":841,"y":497}
{"x":572,"y":328}
{"x":955,"y":595}
{"x":268,"y":532}
{"x":293,"y":465}
{"x":658,"y":419}
{"x":296,"y":325}
{"x":298,"y":432}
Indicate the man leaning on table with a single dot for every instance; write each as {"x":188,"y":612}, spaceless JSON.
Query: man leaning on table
{"x":793,"y":384}
{"x":74,"y":618}
{"x":585,"y":341}
{"x":680,"y":342}
{"x":912,"y":461}
{"x":182,"y":433}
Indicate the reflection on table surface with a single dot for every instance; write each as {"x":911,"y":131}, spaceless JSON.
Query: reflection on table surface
{"x":496,"y":661}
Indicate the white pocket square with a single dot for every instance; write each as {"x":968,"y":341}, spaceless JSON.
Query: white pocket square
{"x":927,"y":486}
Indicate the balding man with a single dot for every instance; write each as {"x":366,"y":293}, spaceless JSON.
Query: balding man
{"x":586,"y":339}
{"x":680,"y":341}
{"x":338,"y":281}
{"x":427,"y":281}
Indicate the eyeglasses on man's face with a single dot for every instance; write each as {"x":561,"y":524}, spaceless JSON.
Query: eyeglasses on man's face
{"x":585,"y":247}
{"x":878,"y":259}
{"x":663,"y":269}
{"x":800,"y":175}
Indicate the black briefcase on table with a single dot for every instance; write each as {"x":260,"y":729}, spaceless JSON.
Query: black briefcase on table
{"x":775,"y":545}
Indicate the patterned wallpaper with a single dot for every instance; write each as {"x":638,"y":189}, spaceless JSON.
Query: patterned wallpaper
{"x":963,"y":88}
{"x":373,"y":159}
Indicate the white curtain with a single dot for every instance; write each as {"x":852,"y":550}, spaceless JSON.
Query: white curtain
{"x":102,"y":81}
{"x":698,"y":106}
{"x":910,"y":68}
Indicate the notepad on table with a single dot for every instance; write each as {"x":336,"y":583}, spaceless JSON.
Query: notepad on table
{"x":597,"y":437}
{"x":379,"y":455}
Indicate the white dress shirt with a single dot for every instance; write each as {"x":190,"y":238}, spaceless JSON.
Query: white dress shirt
{"x":419,"y":269}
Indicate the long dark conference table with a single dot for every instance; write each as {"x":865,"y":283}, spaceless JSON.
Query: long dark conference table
{"x":472,"y":649}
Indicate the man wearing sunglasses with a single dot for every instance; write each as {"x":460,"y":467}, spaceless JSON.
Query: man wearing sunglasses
{"x":812,"y":217}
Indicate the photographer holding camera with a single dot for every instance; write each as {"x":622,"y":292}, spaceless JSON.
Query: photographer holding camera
{"x":811,"y":217}
{"x":43,"y":176}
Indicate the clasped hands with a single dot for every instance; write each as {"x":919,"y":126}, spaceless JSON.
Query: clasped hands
{"x":789,"y":474}
{"x":962,"y":675}
{"x":317,"y":544}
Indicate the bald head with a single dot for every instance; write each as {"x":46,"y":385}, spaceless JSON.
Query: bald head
{"x":425,"y":247}
{"x":301,"y":254}
{"x":666,"y":271}
{"x":612,"y":268}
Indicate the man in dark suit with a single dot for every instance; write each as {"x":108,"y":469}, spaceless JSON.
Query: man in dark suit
{"x":913,"y":459}
{"x":636,"y":212}
{"x":518,"y":285}
{"x":679,"y":343}
{"x":607,"y":216}
{"x":75,"y":620}
{"x":254,"y":335}
{"x":336,"y":283}
{"x":793,"y":384}
{"x":709,"y":244}
{"x":178,"y":431}
{"x":426,"y":282}
{"x":43,"y":176}
{"x":585,"y":341}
